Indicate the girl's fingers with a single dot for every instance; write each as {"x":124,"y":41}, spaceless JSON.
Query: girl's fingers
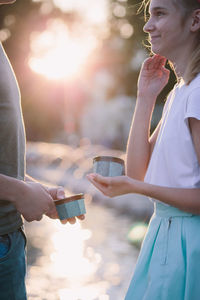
{"x":102,"y":180}
{"x":156,"y":62}
{"x":147,"y":64}
{"x":99,"y":186}
{"x":98,"y":178}
{"x":90,"y":176}
{"x":106,"y":185}
{"x":162,"y":63}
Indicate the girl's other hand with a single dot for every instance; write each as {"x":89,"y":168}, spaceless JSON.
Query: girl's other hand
{"x":111,"y":186}
{"x":153,"y":77}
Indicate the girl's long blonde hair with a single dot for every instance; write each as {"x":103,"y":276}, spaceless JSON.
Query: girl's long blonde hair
{"x":186,"y":7}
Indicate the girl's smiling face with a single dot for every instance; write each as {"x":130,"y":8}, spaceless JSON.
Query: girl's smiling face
{"x":165,"y":26}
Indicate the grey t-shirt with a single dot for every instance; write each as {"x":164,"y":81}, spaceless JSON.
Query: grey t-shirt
{"x":12,"y":140}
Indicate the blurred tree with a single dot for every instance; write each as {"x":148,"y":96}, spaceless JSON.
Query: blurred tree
{"x":20,"y":20}
{"x":121,"y":53}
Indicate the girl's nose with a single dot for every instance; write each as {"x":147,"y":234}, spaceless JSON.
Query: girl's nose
{"x":149,"y":26}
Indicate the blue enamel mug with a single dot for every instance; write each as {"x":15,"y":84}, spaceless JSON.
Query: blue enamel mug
{"x":70,"y":207}
{"x":108,"y":166}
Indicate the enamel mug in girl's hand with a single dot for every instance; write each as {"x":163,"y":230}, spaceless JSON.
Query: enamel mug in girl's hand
{"x":70,"y":207}
{"x":108,"y":166}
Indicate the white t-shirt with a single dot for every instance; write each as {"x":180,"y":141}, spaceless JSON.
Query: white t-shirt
{"x":174,"y":161}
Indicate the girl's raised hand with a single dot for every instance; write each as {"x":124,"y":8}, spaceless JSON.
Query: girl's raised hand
{"x":111,"y":186}
{"x":153,"y":77}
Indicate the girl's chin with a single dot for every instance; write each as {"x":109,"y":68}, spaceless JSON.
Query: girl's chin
{"x":156,"y":50}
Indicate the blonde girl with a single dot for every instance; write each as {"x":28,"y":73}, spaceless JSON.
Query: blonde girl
{"x":166,"y":165}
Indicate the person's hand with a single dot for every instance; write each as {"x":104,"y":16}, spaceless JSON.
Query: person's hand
{"x":111,"y":186}
{"x":153,"y":77}
{"x":33,"y":200}
{"x":58,"y":193}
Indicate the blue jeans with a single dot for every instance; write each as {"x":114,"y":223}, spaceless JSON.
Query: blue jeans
{"x":12,"y":266}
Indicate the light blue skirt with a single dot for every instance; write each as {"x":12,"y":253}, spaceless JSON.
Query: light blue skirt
{"x":168,"y":267}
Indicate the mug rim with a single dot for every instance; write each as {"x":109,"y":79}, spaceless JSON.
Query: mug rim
{"x":69,"y":199}
{"x":108,"y":158}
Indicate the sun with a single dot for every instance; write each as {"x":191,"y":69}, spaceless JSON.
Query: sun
{"x":58,"y":54}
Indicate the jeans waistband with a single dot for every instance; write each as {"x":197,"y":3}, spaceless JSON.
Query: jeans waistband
{"x":166,"y":211}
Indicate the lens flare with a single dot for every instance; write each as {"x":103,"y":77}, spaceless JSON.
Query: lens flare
{"x":57,"y":54}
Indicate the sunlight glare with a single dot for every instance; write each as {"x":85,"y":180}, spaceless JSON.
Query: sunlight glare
{"x":94,"y":11}
{"x":90,"y":292}
{"x":57,"y":54}
{"x":70,"y":258}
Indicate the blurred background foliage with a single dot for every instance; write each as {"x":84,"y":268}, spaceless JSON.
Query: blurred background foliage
{"x":77,"y":66}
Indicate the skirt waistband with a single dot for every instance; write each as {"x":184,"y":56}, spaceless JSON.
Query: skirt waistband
{"x":167,"y":211}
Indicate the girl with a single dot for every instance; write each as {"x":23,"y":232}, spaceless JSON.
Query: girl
{"x":166,"y":165}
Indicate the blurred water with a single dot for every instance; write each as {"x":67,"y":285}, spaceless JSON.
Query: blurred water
{"x":91,"y":260}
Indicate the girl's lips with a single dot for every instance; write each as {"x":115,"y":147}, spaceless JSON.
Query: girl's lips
{"x":153,"y":38}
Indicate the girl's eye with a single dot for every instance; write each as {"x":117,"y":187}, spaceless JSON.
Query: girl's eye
{"x":156,"y":14}
{"x":159,"y":13}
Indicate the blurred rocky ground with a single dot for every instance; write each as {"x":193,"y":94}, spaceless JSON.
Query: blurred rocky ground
{"x":67,"y":166}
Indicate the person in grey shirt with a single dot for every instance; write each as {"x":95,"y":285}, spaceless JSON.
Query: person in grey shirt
{"x":20,"y":196}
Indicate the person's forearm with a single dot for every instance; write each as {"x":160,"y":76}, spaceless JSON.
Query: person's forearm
{"x":10,"y":187}
{"x":28,"y":178}
{"x":185,"y":199}
{"x":138,"y":146}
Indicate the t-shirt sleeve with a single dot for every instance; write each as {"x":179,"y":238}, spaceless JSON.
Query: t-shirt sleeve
{"x":193,"y":105}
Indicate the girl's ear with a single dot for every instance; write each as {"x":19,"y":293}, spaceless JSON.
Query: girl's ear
{"x":195,"y":26}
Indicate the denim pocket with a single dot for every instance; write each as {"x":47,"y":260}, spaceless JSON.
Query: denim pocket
{"x":5,"y":244}
{"x":13,"y":268}
{"x":10,"y":248}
